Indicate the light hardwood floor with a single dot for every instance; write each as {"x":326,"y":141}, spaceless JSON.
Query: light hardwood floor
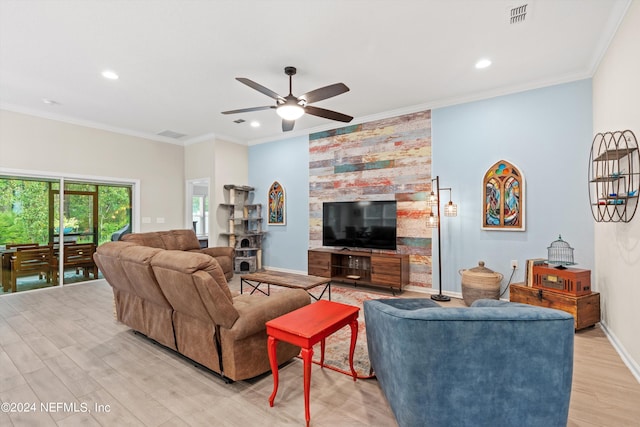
{"x":62,"y":346}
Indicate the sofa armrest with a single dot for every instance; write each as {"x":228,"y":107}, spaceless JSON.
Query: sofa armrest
{"x":256,"y":310}
{"x":218,"y":251}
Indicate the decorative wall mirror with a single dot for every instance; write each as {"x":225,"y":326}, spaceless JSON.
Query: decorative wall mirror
{"x":503,"y":198}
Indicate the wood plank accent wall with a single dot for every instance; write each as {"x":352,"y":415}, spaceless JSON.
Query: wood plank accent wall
{"x":380,"y":160}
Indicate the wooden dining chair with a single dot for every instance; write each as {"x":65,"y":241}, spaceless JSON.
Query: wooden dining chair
{"x":80,"y":256}
{"x":10,"y":246}
{"x":29,"y":262}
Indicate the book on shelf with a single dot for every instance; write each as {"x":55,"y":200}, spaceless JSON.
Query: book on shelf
{"x":528,"y":272}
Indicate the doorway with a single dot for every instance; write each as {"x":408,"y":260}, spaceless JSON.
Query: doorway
{"x":198,"y":207}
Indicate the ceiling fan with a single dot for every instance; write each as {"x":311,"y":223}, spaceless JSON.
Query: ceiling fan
{"x":291,"y":107}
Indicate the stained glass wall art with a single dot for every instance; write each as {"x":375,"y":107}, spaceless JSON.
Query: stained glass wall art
{"x":503,"y":198}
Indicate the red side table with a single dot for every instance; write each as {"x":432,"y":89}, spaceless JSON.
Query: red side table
{"x":304,"y":327}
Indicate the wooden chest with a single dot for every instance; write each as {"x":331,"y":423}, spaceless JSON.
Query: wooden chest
{"x":585,"y":309}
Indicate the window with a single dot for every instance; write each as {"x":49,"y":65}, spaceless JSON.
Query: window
{"x":30,"y":215}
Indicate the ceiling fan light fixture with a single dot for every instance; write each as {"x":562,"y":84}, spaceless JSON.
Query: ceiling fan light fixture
{"x":290,"y":107}
{"x":290,"y":111}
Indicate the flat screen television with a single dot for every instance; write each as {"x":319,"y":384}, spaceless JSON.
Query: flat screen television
{"x":366,"y":224}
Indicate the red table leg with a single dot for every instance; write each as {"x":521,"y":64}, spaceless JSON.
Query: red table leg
{"x":272,"y":344}
{"x":307,"y":354}
{"x":352,"y":347}
{"x":322,"y":353}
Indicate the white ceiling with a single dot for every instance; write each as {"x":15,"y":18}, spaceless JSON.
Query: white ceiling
{"x":178,"y":59}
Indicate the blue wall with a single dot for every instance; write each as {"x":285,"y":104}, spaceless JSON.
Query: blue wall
{"x":545,"y":132}
{"x":286,"y":161}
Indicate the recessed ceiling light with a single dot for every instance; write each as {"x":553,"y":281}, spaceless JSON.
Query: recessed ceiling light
{"x":483,"y":63}
{"x":111,"y":75}
{"x":50,"y":101}
{"x":255,"y":124}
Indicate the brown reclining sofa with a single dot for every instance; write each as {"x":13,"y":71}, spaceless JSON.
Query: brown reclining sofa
{"x":184,"y":240}
{"x":182,"y":300}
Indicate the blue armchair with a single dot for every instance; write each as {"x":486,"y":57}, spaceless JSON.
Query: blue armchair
{"x":493,"y":364}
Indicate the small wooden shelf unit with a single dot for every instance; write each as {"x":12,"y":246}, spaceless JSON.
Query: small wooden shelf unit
{"x":390,"y":271}
{"x":585,"y":308}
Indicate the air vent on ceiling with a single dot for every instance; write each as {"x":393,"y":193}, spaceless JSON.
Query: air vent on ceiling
{"x":239,"y":121}
{"x":518,"y":14}
{"x":171,"y":134}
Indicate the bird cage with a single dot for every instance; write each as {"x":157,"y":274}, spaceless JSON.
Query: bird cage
{"x":560,"y":253}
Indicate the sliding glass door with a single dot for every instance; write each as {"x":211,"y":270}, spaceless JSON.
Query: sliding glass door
{"x":80,"y":213}
{"x":33,"y":222}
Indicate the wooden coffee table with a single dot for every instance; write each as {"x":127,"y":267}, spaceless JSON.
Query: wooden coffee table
{"x":287,"y":280}
{"x":304,"y":327}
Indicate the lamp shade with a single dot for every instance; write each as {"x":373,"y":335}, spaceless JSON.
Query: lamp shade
{"x":451,"y":209}
{"x":432,"y":221}
{"x":433,"y":199}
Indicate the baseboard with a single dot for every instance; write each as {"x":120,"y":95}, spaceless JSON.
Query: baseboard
{"x":624,"y":355}
{"x":432,"y":291}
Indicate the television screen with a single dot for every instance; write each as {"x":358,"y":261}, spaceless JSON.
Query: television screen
{"x":366,"y":224}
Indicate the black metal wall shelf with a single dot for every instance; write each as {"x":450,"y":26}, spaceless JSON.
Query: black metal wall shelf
{"x":614,"y":176}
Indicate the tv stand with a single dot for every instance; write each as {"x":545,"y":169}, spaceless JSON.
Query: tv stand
{"x":356,"y":267}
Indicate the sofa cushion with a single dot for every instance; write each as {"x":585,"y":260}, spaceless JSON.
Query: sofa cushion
{"x":181,"y":240}
{"x":136,"y":262}
{"x":152,"y":239}
{"x":195,"y":284}
{"x":256,"y":310}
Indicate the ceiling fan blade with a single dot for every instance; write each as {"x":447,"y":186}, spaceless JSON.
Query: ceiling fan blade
{"x":259,"y":88}
{"x":324,"y":92}
{"x":287,"y":125}
{"x":246,"y":110}
{"x":327,"y":114}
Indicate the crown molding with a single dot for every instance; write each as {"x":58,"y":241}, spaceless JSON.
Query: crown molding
{"x":441,"y":103}
{"x":212,"y":136}
{"x":610,"y":29}
{"x":87,"y":123}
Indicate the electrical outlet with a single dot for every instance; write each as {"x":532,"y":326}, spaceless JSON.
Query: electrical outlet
{"x":514,"y":263}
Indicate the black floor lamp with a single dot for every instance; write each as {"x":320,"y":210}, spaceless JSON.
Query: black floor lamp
{"x":433,"y":221}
